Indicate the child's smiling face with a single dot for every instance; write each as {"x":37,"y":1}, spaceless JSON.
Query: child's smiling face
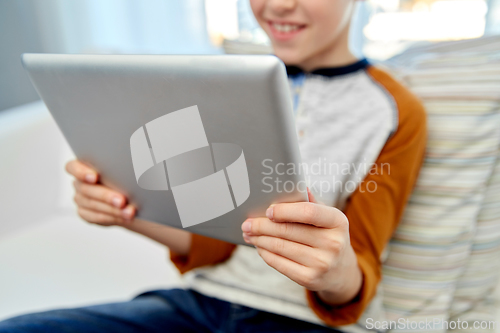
{"x":306,"y":33}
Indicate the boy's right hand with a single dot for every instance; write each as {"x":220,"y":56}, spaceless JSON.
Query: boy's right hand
{"x":97,"y":203}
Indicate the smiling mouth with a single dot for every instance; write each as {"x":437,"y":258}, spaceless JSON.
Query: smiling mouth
{"x":285,"y":30}
{"x":286,"y":27}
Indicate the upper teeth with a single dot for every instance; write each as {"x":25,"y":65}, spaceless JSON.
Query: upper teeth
{"x":285,"y":27}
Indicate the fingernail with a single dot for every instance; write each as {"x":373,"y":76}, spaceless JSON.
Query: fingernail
{"x":246,"y":238}
{"x":117,"y":202}
{"x":128,"y":212}
{"x":90,"y":178}
{"x":247,"y":225}
{"x":270,"y":213}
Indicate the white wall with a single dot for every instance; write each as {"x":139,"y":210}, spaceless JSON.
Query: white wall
{"x":49,"y":257}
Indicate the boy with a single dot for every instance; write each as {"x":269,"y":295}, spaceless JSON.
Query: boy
{"x":314,"y":266}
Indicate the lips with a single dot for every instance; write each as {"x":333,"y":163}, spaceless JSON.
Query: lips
{"x":284,"y":31}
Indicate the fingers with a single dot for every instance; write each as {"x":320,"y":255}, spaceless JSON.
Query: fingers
{"x":310,"y":196}
{"x":97,"y":203}
{"x":127,"y":214}
{"x":301,"y":274}
{"x":99,"y":218}
{"x":296,"y":232}
{"x":101,"y":193}
{"x":82,"y":172}
{"x":308,"y":213}
{"x":299,"y":253}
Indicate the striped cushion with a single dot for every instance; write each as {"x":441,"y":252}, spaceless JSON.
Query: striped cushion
{"x":441,"y":261}
{"x":473,"y":297}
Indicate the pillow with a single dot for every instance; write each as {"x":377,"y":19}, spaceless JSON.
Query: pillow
{"x":473,"y":299}
{"x":437,"y":264}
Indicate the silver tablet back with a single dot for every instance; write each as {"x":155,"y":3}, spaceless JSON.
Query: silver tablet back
{"x":196,"y":142}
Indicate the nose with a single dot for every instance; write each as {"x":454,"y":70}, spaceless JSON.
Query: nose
{"x":281,"y":7}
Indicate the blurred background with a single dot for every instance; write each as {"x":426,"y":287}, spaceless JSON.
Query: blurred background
{"x":206,"y":26}
{"x":50,"y":258}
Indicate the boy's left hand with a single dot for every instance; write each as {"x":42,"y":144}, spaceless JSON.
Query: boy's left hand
{"x":309,"y":243}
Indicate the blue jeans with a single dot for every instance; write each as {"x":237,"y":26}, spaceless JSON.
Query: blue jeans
{"x":174,"y":310}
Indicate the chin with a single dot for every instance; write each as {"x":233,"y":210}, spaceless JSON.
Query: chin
{"x":289,"y":57}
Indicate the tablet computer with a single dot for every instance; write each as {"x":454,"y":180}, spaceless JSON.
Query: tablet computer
{"x":195,"y":142}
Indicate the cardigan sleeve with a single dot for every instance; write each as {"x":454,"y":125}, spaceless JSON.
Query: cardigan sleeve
{"x":374,"y":214}
{"x":203,"y":251}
